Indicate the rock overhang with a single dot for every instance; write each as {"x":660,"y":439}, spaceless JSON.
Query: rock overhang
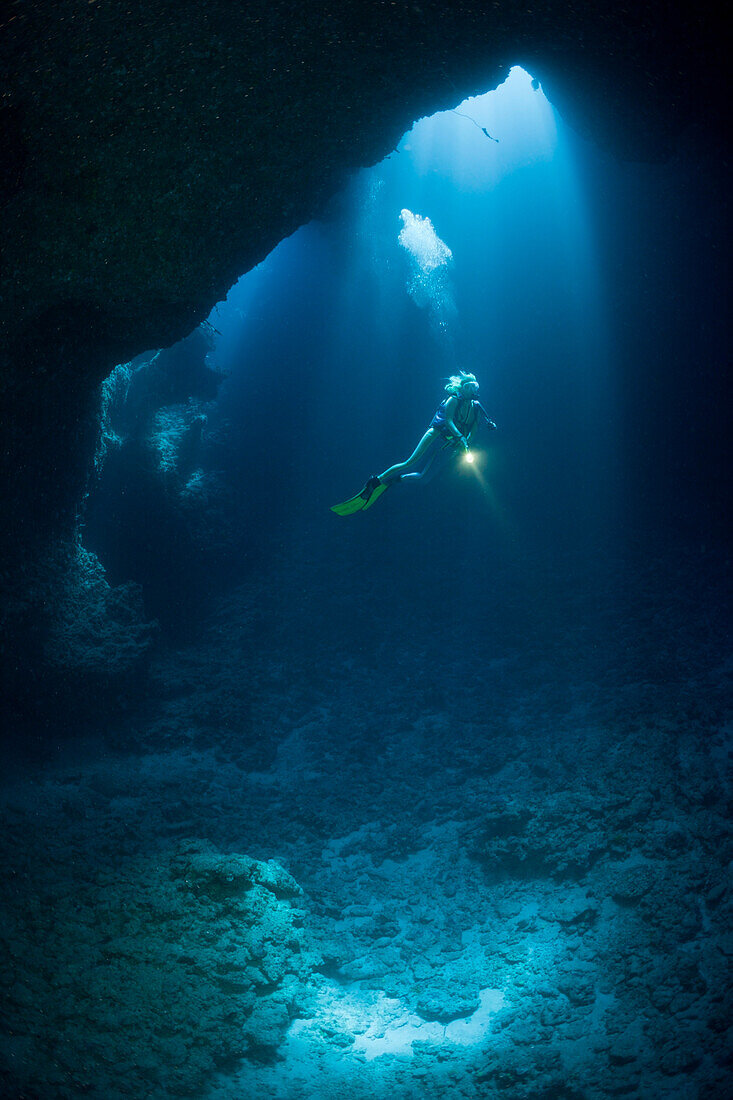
{"x":155,"y":152}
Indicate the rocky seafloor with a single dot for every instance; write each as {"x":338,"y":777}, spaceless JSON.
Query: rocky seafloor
{"x":311,"y":870}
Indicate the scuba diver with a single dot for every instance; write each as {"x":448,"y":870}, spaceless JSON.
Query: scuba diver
{"x":451,"y":430}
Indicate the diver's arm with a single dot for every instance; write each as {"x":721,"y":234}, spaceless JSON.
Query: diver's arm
{"x":489,"y":422}
{"x":474,"y":427}
{"x":450,"y":408}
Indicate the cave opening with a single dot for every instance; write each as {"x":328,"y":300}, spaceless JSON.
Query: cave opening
{"x":215,"y":454}
{"x":468,"y":739}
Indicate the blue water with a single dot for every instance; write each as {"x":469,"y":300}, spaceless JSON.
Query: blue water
{"x":430,"y":800}
{"x":330,"y":319}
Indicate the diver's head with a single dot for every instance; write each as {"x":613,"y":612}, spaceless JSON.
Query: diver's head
{"x":462,"y":385}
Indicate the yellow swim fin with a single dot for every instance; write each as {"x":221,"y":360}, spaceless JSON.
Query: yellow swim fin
{"x":381,"y":488}
{"x":371,"y":492}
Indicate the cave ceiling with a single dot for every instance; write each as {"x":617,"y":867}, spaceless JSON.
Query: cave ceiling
{"x":154,"y":151}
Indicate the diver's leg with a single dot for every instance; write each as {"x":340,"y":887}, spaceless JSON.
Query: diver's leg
{"x":433,"y":452}
{"x":442,"y":459}
{"x":393,"y":473}
{"x":437,"y":462}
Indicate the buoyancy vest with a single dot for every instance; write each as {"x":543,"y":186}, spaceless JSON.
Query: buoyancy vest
{"x":464,"y":417}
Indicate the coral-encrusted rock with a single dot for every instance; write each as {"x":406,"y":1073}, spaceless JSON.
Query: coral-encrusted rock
{"x":66,"y":634}
{"x":162,"y":969}
{"x":572,"y":908}
{"x":445,"y":1005}
{"x":219,"y":877}
{"x":555,"y":837}
{"x":157,"y":509}
{"x":95,"y":630}
{"x":629,"y":884}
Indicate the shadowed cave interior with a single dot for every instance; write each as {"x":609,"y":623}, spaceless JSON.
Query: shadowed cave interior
{"x":428,"y":801}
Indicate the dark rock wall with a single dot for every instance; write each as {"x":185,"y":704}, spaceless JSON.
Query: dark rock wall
{"x":72,"y":647}
{"x":158,"y":507}
{"x":155,"y":151}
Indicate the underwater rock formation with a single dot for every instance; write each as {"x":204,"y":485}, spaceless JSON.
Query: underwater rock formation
{"x":154,"y":510}
{"x":157,"y":509}
{"x":410,"y":969}
{"x":155,"y":152}
{"x":164,"y":970}
{"x":71,"y":642}
{"x":453,"y":937}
